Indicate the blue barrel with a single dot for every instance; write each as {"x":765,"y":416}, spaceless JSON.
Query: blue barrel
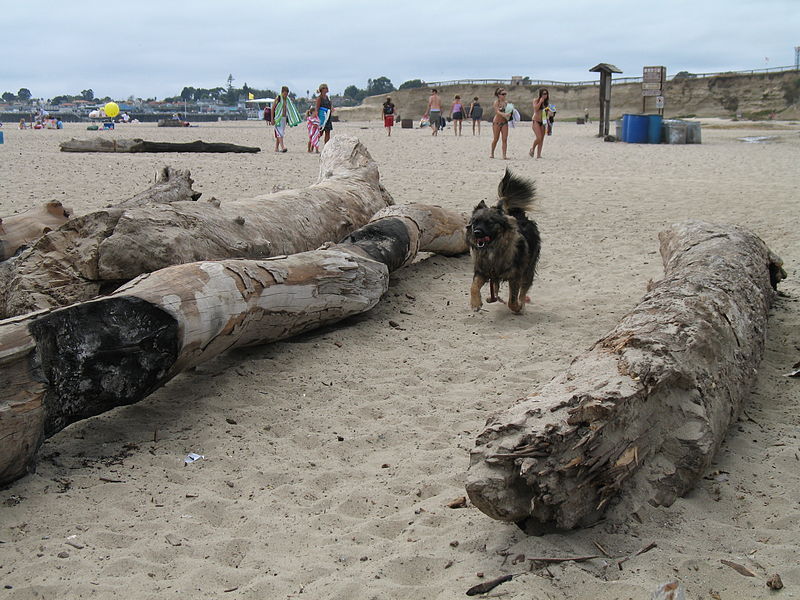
{"x":625,"y":127}
{"x":1,"y":137}
{"x":636,"y":129}
{"x":654,"y":123}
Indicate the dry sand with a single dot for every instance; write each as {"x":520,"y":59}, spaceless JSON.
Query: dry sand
{"x":329,"y":458}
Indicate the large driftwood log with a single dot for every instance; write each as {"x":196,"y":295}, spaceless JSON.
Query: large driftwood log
{"x":638,"y":417}
{"x":139,"y":145}
{"x":59,"y":366}
{"x":20,"y":230}
{"x":96,"y":253}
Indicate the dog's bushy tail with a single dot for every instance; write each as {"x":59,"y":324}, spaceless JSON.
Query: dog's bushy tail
{"x":516,"y":194}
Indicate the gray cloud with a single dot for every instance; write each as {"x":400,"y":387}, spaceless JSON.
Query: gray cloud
{"x":154,"y":49}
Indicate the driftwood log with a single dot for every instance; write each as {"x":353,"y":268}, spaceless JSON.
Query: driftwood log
{"x":59,"y":366}
{"x":639,"y":416}
{"x":17,"y":231}
{"x":139,"y":145}
{"x":172,"y":123}
{"x":97,"y":252}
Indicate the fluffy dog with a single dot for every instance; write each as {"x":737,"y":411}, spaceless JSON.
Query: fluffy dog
{"x":504,"y":244}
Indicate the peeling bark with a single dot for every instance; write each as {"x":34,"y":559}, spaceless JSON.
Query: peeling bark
{"x":96,"y":253}
{"x":59,"y":366}
{"x":639,"y":416}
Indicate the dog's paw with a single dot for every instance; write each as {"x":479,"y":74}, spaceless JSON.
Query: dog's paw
{"x":495,"y":299}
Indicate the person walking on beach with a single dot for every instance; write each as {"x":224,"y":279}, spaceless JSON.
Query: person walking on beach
{"x":388,"y":115}
{"x":539,"y":118}
{"x":324,"y":102}
{"x":457,"y":115}
{"x":500,"y":121}
{"x":312,"y":124}
{"x":475,"y":113}
{"x":434,"y":111}
{"x":550,"y":110}
{"x":285,"y":113}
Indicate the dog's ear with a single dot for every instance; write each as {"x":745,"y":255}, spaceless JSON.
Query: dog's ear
{"x":481,"y":205}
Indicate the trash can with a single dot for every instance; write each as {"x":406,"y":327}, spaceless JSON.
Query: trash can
{"x":674,"y":131}
{"x":692,"y":132}
{"x":654,"y":124}
{"x":636,"y":129}
{"x":619,"y":129}
{"x":1,"y":137}
{"x":407,"y":123}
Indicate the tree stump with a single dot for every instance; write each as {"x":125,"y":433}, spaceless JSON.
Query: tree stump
{"x":639,"y":416}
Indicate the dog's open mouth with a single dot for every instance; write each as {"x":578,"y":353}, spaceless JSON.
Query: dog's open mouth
{"x":481,"y":242}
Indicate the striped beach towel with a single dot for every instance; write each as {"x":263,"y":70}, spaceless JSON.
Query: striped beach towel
{"x":293,"y":117}
{"x":313,"y":130}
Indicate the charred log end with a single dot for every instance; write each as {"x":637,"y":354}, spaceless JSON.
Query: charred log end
{"x":386,"y":241}
{"x":100,"y":355}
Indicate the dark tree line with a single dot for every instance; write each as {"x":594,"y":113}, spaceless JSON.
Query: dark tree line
{"x":228,"y":95}
{"x":376,"y":87}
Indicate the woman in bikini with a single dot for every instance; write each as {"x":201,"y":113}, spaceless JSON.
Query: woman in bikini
{"x":539,"y":127}
{"x":500,"y":121}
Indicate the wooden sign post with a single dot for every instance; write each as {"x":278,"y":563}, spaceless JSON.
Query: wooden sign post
{"x":605,"y":71}
{"x":653,"y":79}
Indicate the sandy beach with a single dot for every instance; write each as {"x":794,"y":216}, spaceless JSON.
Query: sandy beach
{"x":330,"y":458}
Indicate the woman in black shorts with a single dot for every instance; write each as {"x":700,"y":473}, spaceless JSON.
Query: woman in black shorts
{"x":457,"y":115}
{"x":475,"y":113}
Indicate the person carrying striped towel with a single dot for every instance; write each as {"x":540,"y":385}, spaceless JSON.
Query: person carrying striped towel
{"x":312,"y":122}
{"x":284,"y":113}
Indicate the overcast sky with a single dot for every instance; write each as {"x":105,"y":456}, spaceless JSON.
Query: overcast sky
{"x":148,"y":49}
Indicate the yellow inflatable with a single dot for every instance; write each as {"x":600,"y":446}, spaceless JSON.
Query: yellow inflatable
{"x":111,"y":109}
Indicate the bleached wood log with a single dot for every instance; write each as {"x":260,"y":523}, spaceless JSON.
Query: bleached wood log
{"x":139,"y":145}
{"x":17,"y":231}
{"x":639,"y":416}
{"x":59,"y":366}
{"x":96,"y":253}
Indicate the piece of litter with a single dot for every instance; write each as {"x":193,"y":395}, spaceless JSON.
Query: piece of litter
{"x":192,"y":457}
